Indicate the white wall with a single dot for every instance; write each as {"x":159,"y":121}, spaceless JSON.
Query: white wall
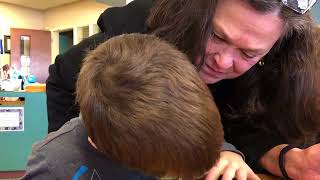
{"x":69,"y":16}
{"x":76,"y":14}
{"x":128,"y":1}
{"x":72,"y":16}
{"x":12,"y":16}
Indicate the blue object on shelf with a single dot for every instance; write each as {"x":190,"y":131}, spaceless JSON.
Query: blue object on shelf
{"x":1,"y":47}
{"x":32,"y":79}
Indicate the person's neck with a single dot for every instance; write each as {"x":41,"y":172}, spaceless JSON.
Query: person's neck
{"x":92,"y":143}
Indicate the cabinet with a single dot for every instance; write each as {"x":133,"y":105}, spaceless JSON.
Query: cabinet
{"x":16,"y":145}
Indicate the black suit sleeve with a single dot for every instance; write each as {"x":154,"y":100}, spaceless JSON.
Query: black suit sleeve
{"x":252,"y":142}
{"x":245,"y":134}
{"x":63,"y":73}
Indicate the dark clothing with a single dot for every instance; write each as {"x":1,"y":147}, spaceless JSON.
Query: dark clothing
{"x":67,"y":154}
{"x":253,"y":142}
{"x":131,"y":18}
{"x":63,"y":73}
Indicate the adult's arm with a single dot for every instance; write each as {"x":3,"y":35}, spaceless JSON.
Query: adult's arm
{"x":60,"y":88}
{"x":299,"y":163}
{"x":262,"y":151}
{"x":251,"y":141}
{"x":63,"y":73}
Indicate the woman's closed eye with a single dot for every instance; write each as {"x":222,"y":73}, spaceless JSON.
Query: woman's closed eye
{"x":248,"y":56}
{"x":216,"y":37}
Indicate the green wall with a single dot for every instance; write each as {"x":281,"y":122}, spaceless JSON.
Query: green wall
{"x":65,"y":41}
{"x":16,"y":145}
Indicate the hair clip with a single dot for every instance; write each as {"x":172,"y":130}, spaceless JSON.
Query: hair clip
{"x":299,"y":6}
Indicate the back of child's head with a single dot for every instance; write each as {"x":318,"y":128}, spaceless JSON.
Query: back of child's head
{"x":144,"y":105}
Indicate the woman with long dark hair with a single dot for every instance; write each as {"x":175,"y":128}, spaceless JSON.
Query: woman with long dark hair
{"x":257,"y":56}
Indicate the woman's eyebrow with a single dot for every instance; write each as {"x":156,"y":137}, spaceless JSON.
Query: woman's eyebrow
{"x":221,"y":33}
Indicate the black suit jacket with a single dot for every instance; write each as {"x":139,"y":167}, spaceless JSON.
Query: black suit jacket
{"x":63,"y":73}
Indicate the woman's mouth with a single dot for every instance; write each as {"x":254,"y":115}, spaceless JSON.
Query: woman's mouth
{"x":211,"y":71}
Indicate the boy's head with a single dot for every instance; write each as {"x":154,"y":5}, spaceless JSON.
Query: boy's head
{"x":144,"y":105}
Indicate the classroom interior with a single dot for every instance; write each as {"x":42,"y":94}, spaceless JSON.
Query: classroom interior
{"x":32,"y":34}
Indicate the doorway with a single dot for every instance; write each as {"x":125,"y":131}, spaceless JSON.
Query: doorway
{"x":65,"y":40}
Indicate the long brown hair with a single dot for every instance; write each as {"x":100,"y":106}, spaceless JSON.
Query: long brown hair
{"x":184,"y":23}
{"x":144,"y":105}
{"x":283,"y":94}
{"x":278,"y":96}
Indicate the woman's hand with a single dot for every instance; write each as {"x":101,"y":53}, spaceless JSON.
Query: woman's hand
{"x":231,"y":165}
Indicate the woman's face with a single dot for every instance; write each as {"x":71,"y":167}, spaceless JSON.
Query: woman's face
{"x":241,"y":37}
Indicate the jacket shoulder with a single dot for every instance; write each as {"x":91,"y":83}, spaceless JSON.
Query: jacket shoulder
{"x":126,"y":19}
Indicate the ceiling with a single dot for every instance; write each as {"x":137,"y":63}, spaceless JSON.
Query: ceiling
{"x":114,"y":2}
{"x":39,"y":4}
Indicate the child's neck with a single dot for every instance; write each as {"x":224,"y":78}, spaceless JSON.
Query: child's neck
{"x":92,"y":143}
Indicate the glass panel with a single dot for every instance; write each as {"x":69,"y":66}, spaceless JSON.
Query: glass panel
{"x":6,"y":44}
{"x":25,"y":45}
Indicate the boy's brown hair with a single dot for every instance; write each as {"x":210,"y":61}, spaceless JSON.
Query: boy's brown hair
{"x":144,"y":105}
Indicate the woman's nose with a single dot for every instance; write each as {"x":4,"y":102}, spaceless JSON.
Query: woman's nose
{"x":224,"y":60}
